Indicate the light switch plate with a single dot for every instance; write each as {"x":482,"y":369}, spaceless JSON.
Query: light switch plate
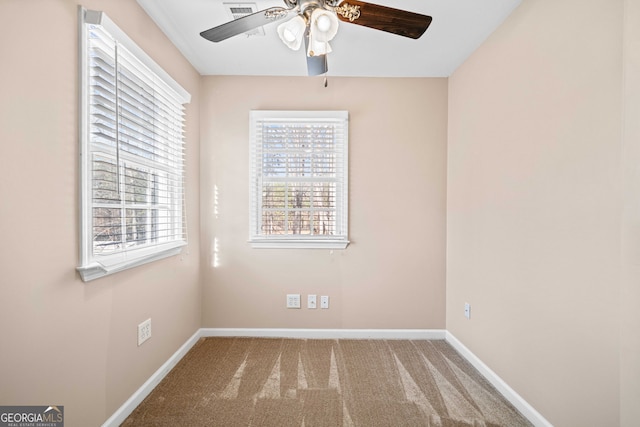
{"x":293,"y":300}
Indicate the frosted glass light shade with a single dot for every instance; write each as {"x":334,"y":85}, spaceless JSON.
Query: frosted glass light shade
{"x":292,"y":31}
{"x":324,"y":25}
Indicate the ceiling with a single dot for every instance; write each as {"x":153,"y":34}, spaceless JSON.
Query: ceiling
{"x":458,"y":28}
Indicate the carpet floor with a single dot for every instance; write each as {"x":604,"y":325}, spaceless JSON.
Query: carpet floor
{"x":273,"y":382}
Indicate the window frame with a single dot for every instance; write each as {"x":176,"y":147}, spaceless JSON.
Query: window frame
{"x":91,"y":264}
{"x":259,"y":240}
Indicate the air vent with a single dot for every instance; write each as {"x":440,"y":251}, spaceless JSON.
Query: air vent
{"x":238,"y":10}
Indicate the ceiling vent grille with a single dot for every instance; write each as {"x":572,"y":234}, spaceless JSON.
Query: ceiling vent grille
{"x":238,"y":10}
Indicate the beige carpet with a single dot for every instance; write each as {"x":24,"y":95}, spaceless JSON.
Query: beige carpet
{"x":311,"y":383}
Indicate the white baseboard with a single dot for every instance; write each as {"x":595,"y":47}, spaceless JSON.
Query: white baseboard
{"x":132,"y":403}
{"x":415,"y":334}
{"x":510,"y":394}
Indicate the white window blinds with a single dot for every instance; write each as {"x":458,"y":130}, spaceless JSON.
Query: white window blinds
{"x":132,"y":154}
{"x":298,"y":179}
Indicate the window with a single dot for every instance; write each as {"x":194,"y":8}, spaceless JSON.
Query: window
{"x":131,"y":147}
{"x":299,"y":179}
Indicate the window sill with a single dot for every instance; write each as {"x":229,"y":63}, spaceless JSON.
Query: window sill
{"x":96,"y":270}
{"x":298,"y":244}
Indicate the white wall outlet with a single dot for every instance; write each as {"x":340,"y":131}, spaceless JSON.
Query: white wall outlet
{"x":144,"y":331}
{"x":293,"y":300}
{"x":467,"y":310}
{"x":311,"y":301}
{"x":324,"y":301}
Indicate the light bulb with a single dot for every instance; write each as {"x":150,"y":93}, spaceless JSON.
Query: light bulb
{"x":288,"y":35}
{"x":323,"y":23}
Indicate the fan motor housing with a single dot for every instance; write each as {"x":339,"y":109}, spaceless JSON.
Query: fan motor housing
{"x":307,"y":6}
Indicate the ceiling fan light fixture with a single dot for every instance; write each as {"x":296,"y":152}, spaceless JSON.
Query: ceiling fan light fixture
{"x":292,"y":31}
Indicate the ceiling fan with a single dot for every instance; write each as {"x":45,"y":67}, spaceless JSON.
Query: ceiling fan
{"x":316,"y":23}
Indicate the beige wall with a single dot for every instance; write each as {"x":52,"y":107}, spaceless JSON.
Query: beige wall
{"x":63,"y":341}
{"x":630,"y":290}
{"x":392,"y":275}
{"x":534,"y":208}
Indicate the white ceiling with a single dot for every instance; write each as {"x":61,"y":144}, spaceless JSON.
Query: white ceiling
{"x":458,"y":28}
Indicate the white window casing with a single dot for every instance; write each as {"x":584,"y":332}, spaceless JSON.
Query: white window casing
{"x":131,"y":153}
{"x":299,"y":179}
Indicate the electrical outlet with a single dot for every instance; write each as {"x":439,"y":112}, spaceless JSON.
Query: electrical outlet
{"x":144,"y":331}
{"x":324,"y":301}
{"x":467,"y":310}
{"x":293,"y":300}
{"x":311,"y":301}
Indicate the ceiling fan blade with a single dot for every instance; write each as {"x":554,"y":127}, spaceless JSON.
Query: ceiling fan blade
{"x":317,"y":64}
{"x":396,"y":21}
{"x":246,"y":23}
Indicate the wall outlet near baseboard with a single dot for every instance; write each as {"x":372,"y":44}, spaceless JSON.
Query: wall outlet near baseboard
{"x":144,"y":331}
{"x":324,"y":301}
{"x":467,"y":310}
{"x":312,"y":301}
